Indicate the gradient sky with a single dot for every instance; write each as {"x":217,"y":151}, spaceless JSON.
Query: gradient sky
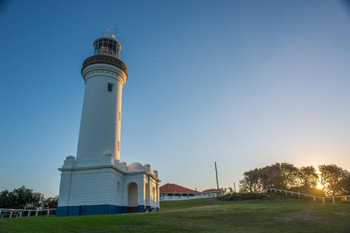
{"x":243,"y":83}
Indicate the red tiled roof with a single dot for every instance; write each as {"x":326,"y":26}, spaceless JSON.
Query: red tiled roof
{"x":174,"y":188}
{"x":209,"y":190}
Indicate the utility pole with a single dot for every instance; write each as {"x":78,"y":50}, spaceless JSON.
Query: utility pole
{"x":234,"y":186}
{"x":217,"y":180}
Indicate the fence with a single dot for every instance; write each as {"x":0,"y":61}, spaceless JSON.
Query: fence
{"x":19,"y":213}
{"x":334,"y":198}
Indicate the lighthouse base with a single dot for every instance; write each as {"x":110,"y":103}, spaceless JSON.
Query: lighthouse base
{"x":96,"y":210}
{"x":106,"y":189}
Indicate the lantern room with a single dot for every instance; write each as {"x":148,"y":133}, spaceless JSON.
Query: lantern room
{"x":107,"y":45}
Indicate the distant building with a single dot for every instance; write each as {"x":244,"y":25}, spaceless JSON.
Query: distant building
{"x":173,"y":192}
{"x":210,"y":193}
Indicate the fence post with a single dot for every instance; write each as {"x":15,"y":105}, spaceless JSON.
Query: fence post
{"x":28,"y":214}
{"x":314,"y":199}
{"x":36,"y":213}
{"x":323,"y":200}
{"x":345,"y":200}
{"x":333,"y":199}
{"x":299,"y":194}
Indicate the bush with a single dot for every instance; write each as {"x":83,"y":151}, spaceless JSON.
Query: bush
{"x":243,"y":196}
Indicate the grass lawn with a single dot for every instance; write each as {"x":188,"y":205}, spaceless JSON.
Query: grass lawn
{"x":206,"y":215}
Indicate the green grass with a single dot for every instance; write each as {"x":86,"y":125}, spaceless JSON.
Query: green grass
{"x":206,"y":215}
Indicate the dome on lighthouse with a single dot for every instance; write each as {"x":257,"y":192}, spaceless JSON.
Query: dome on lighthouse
{"x":108,"y":34}
{"x":135,"y":166}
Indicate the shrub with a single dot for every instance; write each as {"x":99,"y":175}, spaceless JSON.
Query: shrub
{"x":243,"y":196}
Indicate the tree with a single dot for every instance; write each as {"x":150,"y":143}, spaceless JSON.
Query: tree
{"x":307,"y":178}
{"x":332,"y":177}
{"x":289,"y":175}
{"x":278,"y":175}
{"x":19,"y":198}
{"x":250,"y":181}
{"x":286,"y":176}
{"x":5,"y":201}
{"x":345,"y":185}
{"x":272,"y":176}
{"x":50,"y":202}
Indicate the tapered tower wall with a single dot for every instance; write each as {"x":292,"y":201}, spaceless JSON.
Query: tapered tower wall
{"x":101,"y":116}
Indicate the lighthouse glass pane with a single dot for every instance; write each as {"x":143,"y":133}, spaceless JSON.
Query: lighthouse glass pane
{"x":105,"y":46}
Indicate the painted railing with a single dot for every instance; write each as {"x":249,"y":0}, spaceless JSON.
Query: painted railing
{"x":314,"y":197}
{"x":19,"y":213}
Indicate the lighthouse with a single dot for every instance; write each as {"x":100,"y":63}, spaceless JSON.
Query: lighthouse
{"x":104,"y":75}
{"x":96,"y":181}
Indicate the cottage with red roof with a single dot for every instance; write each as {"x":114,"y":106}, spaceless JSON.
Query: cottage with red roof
{"x":172,"y":192}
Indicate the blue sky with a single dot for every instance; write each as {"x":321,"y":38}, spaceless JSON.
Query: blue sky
{"x":243,"y":83}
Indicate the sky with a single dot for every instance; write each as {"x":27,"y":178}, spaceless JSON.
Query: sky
{"x":242,"y":83}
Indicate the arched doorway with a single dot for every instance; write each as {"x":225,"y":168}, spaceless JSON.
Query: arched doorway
{"x":132,"y":197}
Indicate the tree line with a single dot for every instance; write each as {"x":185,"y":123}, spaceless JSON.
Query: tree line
{"x":334,"y":179}
{"x":24,"y":198}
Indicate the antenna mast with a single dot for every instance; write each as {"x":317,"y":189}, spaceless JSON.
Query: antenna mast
{"x":217,"y":180}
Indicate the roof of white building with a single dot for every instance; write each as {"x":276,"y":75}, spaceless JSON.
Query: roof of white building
{"x":210,"y":191}
{"x":135,"y":166}
{"x":174,"y":188}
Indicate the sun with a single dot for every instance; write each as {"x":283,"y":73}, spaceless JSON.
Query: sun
{"x":320,"y":186}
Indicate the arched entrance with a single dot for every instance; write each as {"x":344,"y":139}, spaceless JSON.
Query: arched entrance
{"x":132,"y":197}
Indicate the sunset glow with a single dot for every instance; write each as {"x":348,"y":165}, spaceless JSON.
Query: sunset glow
{"x":320,"y":186}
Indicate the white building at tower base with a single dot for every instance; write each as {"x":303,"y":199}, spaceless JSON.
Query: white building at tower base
{"x":108,"y":188}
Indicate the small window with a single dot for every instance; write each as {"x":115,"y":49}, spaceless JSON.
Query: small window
{"x":110,"y":87}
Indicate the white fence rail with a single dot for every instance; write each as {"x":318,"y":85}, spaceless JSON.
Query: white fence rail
{"x":19,"y":213}
{"x":292,"y":193}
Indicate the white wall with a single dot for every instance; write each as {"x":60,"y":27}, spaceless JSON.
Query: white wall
{"x":91,"y":187}
{"x":177,"y":198}
{"x":100,"y":122}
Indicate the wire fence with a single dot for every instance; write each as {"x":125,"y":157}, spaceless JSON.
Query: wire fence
{"x":20,"y":213}
{"x":314,"y":197}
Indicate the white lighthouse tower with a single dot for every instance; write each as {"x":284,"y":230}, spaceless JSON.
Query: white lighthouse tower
{"x":104,"y":74}
{"x":96,"y":181}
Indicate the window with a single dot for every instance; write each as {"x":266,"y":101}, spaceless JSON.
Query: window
{"x":110,"y":87}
